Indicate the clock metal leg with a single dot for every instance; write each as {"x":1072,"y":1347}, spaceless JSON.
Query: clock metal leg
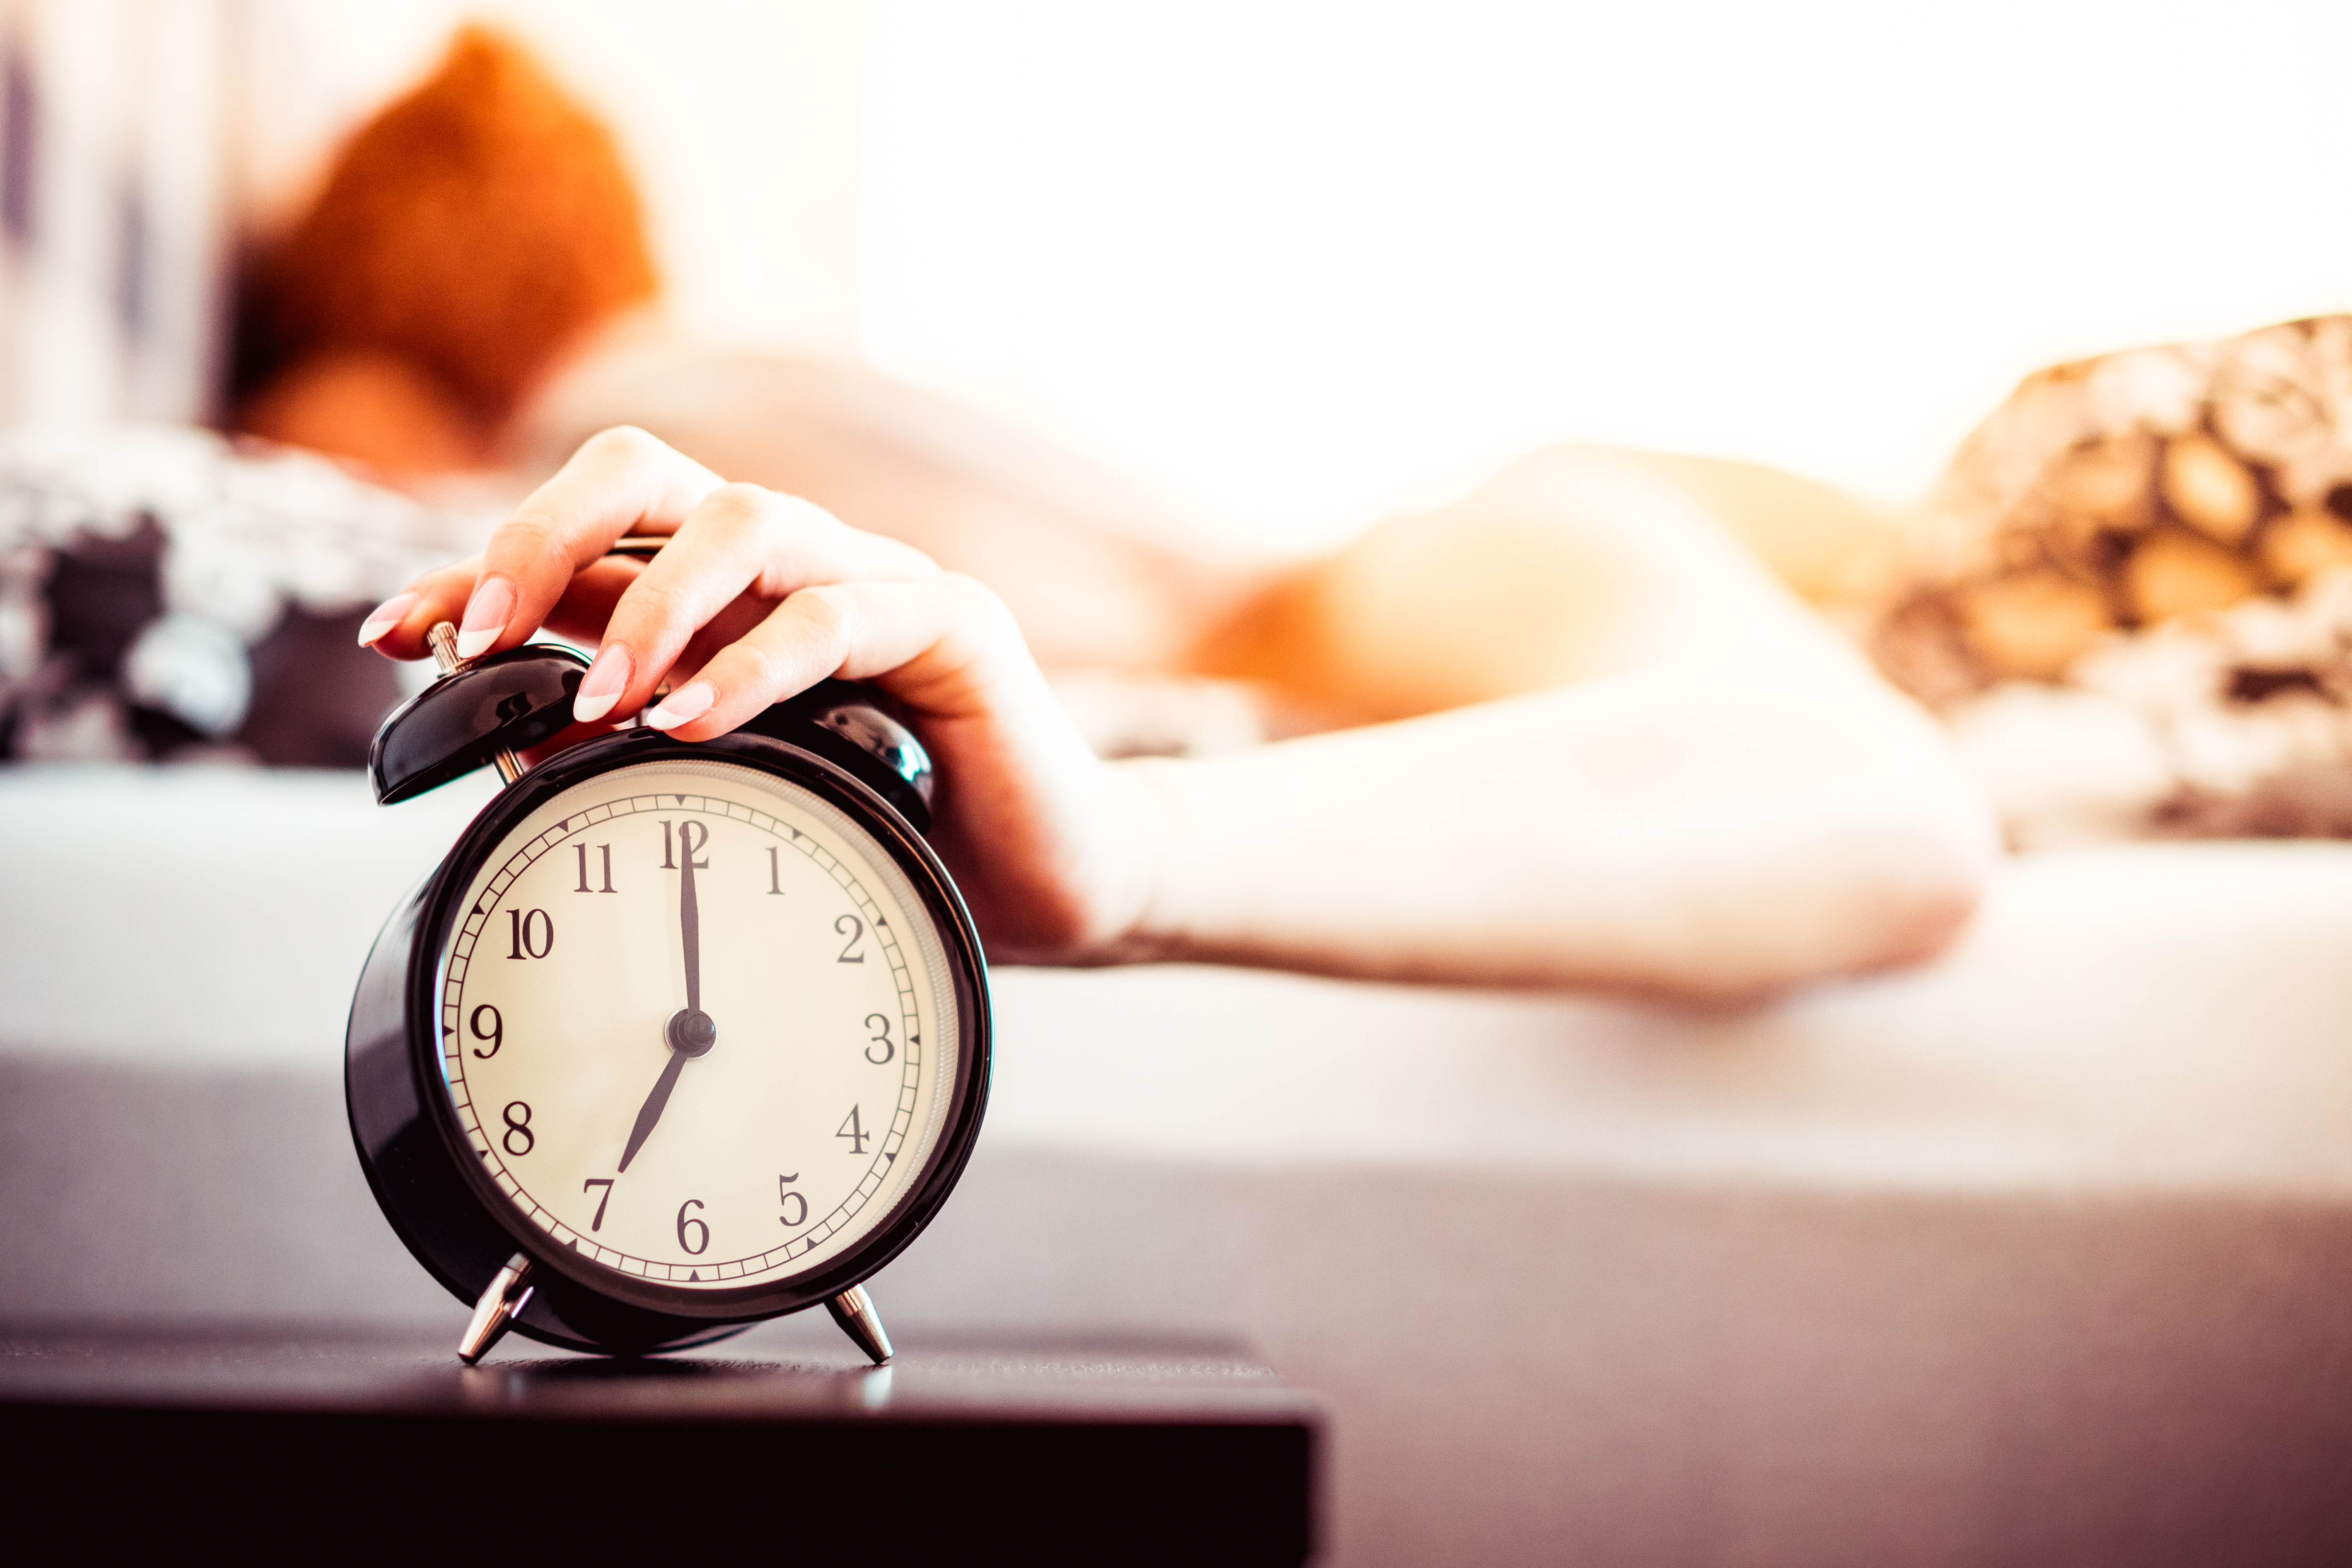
{"x":854,"y":1311}
{"x":509,"y":1294}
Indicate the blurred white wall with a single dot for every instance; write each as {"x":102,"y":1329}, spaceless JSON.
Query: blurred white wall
{"x":111,"y":203}
{"x":1299,"y":261}
{"x":1304,"y":260}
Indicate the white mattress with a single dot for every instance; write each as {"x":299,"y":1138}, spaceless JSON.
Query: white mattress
{"x":2173,"y":1014}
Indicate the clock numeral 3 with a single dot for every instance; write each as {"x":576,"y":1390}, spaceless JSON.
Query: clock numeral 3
{"x":853,"y":928}
{"x":795,"y":1206}
{"x":531,"y":934}
{"x":496,"y":1034}
{"x":518,"y":1127}
{"x":889,"y":1047}
{"x":604,"y":849}
{"x":856,"y":1133}
{"x":701,"y":1243}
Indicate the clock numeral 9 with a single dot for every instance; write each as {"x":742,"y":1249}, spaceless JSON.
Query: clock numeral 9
{"x":496,"y":1034}
{"x":853,"y":928}
{"x":696,"y":1248}
{"x":531,"y":934}
{"x":889,"y":1047}
{"x":518,"y":1127}
{"x":795,"y":1206}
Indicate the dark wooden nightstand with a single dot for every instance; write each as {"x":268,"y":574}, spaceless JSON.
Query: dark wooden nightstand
{"x":373,"y":1443}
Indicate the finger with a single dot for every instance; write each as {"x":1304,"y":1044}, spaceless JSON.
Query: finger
{"x":397,"y":627}
{"x":621,"y":481}
{"x":740,"y":541}
{"x":587,"y":605}
{"x":916,"y":638}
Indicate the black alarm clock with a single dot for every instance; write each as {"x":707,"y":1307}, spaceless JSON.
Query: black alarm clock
{"x":678,"y":1036}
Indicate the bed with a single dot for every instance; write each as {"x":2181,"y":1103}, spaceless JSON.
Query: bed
{"x":2038,"y":1253}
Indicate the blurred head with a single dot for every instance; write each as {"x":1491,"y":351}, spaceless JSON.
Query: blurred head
{"x":468,"y":235}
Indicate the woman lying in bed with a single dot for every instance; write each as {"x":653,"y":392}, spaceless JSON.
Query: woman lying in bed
{"x":1587,"y":738}
{"x":1569,"y":731}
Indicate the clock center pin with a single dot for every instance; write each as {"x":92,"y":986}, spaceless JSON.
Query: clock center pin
{"x":691,"y":1032}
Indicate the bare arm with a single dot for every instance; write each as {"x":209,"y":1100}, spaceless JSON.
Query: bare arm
{"x":1756,"y":812}
{"x":1686,"y":831}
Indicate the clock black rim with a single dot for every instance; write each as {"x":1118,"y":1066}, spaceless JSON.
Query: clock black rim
{"x":967,"y":967}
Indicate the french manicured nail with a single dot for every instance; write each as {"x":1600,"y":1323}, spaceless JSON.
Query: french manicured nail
{"x":687,"y":703}
{"x":603,"y":685}
{"x":487,"y":613}
{"x":385,"y":617}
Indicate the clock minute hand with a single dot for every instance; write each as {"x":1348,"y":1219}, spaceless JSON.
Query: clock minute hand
{"x":689,"y":913}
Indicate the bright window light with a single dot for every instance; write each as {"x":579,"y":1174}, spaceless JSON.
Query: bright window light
{"x":1306,"y":262}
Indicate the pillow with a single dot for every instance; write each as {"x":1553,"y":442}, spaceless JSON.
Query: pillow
{"x":165,"y":595}
{"x":2133,"y":597}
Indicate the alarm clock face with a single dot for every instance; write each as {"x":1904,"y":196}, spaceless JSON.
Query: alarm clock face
{"x":697,"y":1028}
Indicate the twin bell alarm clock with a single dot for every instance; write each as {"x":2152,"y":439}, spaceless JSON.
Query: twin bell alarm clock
{"x":678,"y":1036}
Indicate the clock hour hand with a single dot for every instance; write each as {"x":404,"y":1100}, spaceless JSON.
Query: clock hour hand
{"x":651,"y":1113}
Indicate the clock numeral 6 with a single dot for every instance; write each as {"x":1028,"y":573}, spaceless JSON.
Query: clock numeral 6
{"x":496,"y":1034}
{"x":795,"y":1206}
{"x":531,"y":934}
{"x":889,"y":1046}
{"x":517,"y":1126}
{"x":702,"y":1238}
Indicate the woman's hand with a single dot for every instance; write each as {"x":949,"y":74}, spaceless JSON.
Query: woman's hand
{"x":760,"y":595}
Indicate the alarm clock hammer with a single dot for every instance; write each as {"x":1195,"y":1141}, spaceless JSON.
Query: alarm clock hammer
{"x":612,"y":904}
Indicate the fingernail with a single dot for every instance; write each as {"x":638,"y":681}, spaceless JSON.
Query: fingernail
{"x":487,"y":613}
{"x":689,"y":702}
{"x":603,"y":685}
{"x":385,"y":617}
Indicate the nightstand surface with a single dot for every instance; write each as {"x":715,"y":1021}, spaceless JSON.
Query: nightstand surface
{"x":1076,"y":1446}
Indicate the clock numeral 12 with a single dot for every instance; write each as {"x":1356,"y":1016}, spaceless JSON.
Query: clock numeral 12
{"x":694,"y":835}
{"x":856,"y":1134}
{"x":606,"y":850}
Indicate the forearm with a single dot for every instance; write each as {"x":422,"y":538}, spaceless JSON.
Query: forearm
{"x":1696,"y":832}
